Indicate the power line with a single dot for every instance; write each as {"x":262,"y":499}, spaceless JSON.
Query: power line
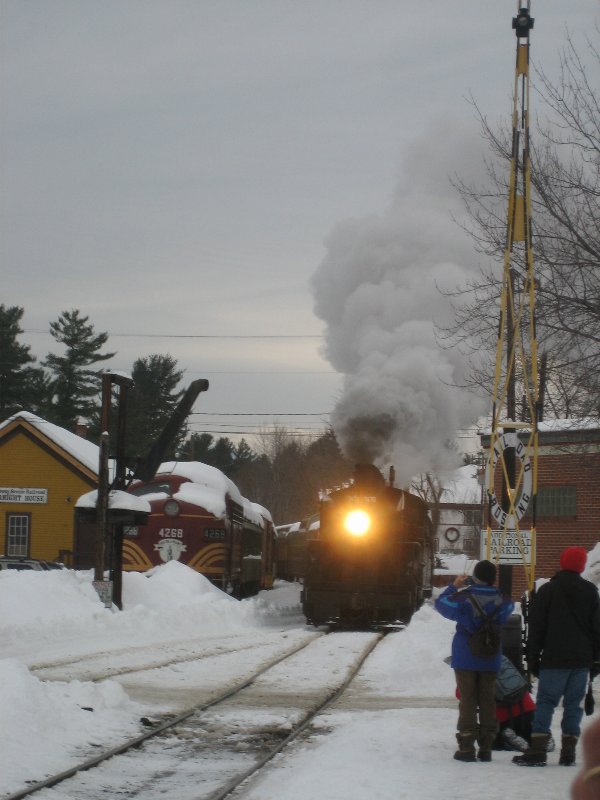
{"x":203,"y":335}
{"x":259,"y":414}
{"x":224,"y":425}
{"x":316,"y":435}
{"x":261,"y":372}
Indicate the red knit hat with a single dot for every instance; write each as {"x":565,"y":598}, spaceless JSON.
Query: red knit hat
{"x":573,"y":559}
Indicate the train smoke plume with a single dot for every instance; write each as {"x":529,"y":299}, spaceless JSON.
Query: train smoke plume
{"x":378,"y":291}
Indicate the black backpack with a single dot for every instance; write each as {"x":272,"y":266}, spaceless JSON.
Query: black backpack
{"x":511,"y":685}
{"x":486,"y":640}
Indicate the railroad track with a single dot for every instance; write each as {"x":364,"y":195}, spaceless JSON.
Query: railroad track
{"x":208,"y":751}
{"x":101,"y":667}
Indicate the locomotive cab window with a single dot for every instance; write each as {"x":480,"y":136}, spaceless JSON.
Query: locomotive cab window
{"x":152,"y":488}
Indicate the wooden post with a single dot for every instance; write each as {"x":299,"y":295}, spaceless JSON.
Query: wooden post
{"x":102,"y":502}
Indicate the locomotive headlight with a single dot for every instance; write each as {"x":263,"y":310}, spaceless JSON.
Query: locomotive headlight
{"x":357,"y":522}
{"x":171,"y":508}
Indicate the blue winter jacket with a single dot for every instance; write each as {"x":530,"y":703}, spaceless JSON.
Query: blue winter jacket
{"x":454,"y":604}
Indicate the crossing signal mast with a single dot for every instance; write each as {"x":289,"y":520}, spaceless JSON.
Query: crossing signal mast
{"x":511,"y":474}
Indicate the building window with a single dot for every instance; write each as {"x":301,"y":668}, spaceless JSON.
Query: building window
{"x":472,"y":516}
{"x":17,"y":534}
{"x":557,"y":501}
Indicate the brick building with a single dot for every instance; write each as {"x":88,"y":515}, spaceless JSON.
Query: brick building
{"x":568,"y":496}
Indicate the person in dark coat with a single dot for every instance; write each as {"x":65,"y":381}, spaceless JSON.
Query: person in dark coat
{"x":563,"y":649}
{"x":475,"y":675}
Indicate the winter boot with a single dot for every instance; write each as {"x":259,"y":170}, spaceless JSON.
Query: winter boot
{"x":567,"y":751}
{"x":486,"y":743}
{"x":466,"y":747}
{"x":535,"y":755}
{"x":512,"y":741}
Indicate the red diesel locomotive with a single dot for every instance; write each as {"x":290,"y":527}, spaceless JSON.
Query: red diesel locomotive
{"x":199,"y":517}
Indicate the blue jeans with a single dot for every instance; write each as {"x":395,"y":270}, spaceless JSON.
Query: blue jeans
{"x":571,"y":685}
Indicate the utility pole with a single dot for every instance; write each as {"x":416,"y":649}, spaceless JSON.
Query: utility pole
{"x":103,"y":480}
{"x":124,"y":384}
{"x":108,"y":537}
{"x":513,"y":442}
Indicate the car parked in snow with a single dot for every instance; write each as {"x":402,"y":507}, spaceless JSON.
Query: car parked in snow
{"x":21,"y":563}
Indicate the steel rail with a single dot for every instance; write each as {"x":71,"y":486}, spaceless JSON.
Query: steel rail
{"x":130,"y":744}
{"x":235,"y":783}
{"x":145,"y":668}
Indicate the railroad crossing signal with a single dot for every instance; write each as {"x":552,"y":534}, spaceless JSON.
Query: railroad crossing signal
{"x":514,"y":442}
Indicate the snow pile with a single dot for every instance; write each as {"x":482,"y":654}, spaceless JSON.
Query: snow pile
{"x":35,"y":599}
{"x":401,"y":741}
{"x":46,"y":616}
{"x":33,"y":711}
{"x":171,"y":586}
{"x":416,"y":656}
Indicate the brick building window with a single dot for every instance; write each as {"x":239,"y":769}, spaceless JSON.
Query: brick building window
{"x":557,"y":501}
{"x":17,"y":534}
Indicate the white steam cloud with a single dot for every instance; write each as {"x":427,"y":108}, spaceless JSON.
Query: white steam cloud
{"x":378,"y":290}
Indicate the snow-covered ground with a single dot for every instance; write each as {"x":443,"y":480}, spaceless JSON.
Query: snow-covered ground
{"x":398,"y":744}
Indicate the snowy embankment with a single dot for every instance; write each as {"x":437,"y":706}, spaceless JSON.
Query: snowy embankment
{"x":391,"y":737}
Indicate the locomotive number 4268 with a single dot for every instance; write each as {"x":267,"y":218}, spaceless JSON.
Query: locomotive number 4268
{"x":171,"y":533}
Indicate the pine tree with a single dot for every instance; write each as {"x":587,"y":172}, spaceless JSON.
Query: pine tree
{"x":75,"y":387}
{"x":223,"y":455}
{"x":243,"y":455}
{"x":151,"y":403}
{"x":220,"y":453}
{"x":22,"y":387}
{"x":197,"y":448}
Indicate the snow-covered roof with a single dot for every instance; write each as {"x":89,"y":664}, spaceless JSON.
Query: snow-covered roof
{"x":289,"y":527}
{"x":459,"y":564}
{"x":208,"y":487}
{"x":207,"y":497}
{"x":117,"y":500}
{"x":580,"y":424}
{"x":82,"y":450}
{"x":252,"y":514}
{"x":264,"y":512}
{"x":558,"y":425}
{"x":461,"y":487}
{"x":204,"y":475}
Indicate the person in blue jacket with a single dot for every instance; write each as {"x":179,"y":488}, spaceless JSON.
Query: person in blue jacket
{"x":475,"y":675}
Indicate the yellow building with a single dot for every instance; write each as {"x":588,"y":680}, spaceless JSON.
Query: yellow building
{"x":43,"y":471}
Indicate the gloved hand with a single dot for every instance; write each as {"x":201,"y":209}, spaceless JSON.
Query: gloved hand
{"x":595,"y":670}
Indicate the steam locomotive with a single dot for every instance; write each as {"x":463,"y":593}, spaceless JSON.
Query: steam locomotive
{"x":199,"y":517}
{"x":371,"y":561}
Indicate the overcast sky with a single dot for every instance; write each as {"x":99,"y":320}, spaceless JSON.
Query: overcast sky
{"x":183,"y":168}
